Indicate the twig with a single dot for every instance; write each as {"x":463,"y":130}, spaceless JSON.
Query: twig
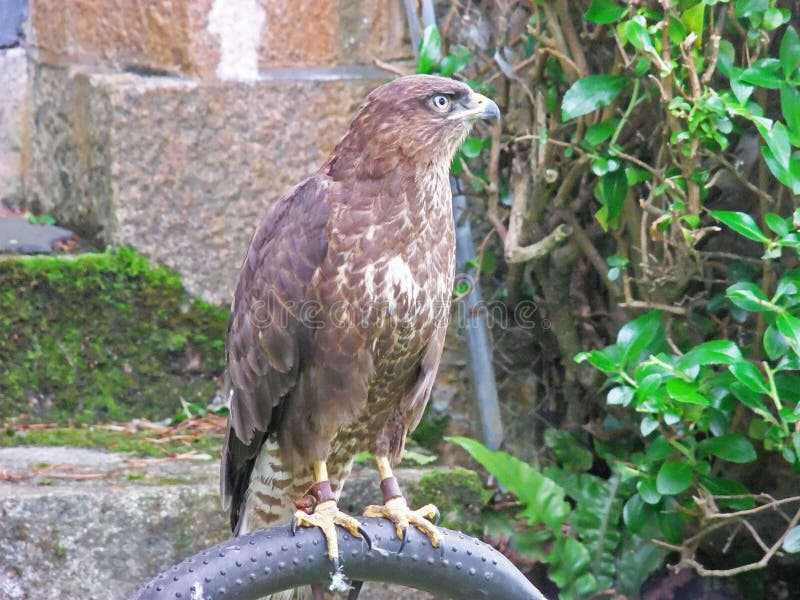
{"x":760,"y":564}
{"x":399,"y":71}
{"x":752,"y":511}
{"x":730,"y":256}
{"x":676,"y":310}
{"x":712,"y":59}
{"x":590,"y":252}
{"x":517,"y":254}
{"x":743,"y":180}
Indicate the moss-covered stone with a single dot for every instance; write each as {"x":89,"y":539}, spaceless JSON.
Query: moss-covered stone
{"x":458,"y":494}
{"x":431,"y":428}
{"x":103,"y":336}
{"x":138,"y":444}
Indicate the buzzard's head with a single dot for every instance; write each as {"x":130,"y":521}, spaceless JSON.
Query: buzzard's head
{"x":419,"y":118}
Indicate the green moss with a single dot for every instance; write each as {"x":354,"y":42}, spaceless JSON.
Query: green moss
{"x":138,"y":444}
{"x":103,"y":336}
{"x":458,"y":494}
{"x":431,"y":428}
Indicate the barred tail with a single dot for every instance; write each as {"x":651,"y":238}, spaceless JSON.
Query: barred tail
{"x":270,"y":499}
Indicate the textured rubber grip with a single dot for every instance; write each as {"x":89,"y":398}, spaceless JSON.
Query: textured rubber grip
{"x":272,"y":560}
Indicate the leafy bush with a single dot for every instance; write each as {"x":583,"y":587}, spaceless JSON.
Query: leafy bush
{"x":663,"y":138}
{"x":600,"y":554}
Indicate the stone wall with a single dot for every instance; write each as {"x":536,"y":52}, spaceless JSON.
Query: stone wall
{"x":171,"y":125}
{"x":14,"y":120}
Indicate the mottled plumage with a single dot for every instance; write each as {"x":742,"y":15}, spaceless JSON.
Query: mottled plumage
{"x":339,"y":315}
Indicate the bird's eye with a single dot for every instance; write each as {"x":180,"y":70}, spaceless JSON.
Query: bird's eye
{"x":440,"y":102}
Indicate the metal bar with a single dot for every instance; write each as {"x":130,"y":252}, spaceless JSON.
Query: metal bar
{"x":472,"y":318}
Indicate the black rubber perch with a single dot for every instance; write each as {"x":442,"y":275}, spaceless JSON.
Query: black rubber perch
{"x":272,"y":560}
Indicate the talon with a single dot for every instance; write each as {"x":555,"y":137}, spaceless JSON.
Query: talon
{"x":403,"y":540}
{"x":294,"y":526}
{"x":437,"y":517}
{"x":363,"y":533}
{"x":336,"y":565}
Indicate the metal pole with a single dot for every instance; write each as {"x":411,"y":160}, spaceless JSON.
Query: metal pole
{"x":476,"y":330}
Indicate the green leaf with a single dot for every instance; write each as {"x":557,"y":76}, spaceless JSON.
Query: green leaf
{"x":749,"y":398}
{"x":454,"y":62}
{"x":634,"y":31}
{"x":750,"y":376}
{"x":790,"y":52}
{"x":686,"y":392}
{"x":648,"y":425}
{"x":777,"y":138}
{"x":763,"y":73}
{"x":671,"y":525}
{"x":599,"y":359}
{"x":719,"y":486}
{"x":790,"y":107}
{"x":789,"y":327}
{"x":733,"y":447}
{"x":637,"y":513}
{"x":791,"y":543}
{"x":715,"y":352}
{"x":570,"y":453}
{"x":748,"y":295}
{"x":472,"y":147}
{"x":418,"y":458}
{"x":741,"y":223}
{"x":604,"y":12}
{"x":637,"y":558}
{"x":599,"y":132}
{"x":589,"y":94}
{"x":635,"y":175}
{"x":775,"y":17}
{"x":775,"y":344}
{"x":745,"y":8}
{"x":620,"y":396}
{"x":659,"y":449}
{"x":636,"y":336}
{"x":727,"y":56}
{"x":597,"y":513}
{"x":694,"y":18}
{"x":611,"y":190}
{"x":567,"y":559}
{"x":790,"y":177}
{"x":430,"y":50}
{"x":673,"y":478}
{"x":775,"y":222}
{"x":545,"y":501}
{"x":648,"y":491}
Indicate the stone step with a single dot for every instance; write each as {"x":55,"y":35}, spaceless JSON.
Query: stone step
{"x":90,"y":524}
{"x":182,"y":169}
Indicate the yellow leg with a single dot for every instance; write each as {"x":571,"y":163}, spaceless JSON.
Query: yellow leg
{"x":326,"y":514}
{"x":396,"y":510}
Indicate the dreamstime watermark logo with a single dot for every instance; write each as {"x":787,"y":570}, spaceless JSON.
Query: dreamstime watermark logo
{"x":403,"y":311}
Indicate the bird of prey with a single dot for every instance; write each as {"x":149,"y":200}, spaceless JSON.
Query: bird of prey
{"x":340,"y":311}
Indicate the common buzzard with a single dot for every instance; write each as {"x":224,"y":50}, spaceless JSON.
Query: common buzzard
{"x":340,"y":312}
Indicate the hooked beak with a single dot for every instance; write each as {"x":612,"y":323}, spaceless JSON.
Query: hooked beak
{"x":477,"y":106}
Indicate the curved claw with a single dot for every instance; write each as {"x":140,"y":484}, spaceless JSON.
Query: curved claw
{"x":437,"y":517}
{"x":336,"y":565}
{"x":366,"y":537}
{"x":355,"y":590}
{"x":403,"y":540}
{"x":294,"y":525}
